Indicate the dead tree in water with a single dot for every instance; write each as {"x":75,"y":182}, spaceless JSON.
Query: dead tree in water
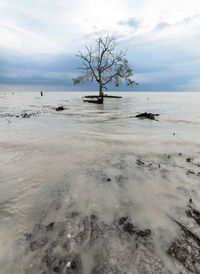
{"x":102,"y":64}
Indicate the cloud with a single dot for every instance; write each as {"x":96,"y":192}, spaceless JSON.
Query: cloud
{"x":39,"y":40}
{"x":37,"y":69}
{"x":187,"y":20}
{"x":162,"y":26}
{"x":192,"y":84}
{"x":130,"y":22}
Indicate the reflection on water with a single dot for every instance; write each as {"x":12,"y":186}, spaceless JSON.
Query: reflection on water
{"x":66,"y":179}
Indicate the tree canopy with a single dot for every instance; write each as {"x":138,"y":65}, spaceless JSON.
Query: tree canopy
{"x":101,"y":63}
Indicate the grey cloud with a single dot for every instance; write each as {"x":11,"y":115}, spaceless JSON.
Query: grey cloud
{"x":190,"y":19}
{"x":162,"y":26}
{"x":187,"y":20}
{"x":20,"y":69}
{"x":159,"y":67}
{"x":130,"y":22}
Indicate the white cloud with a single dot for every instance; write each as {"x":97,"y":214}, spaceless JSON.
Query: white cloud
{"x":62,"y":25}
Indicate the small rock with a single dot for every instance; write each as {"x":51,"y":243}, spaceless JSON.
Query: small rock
{"x":49,"y":227}
{"x":122,"y":220}
{"x":28,"y":236}
{"x":25,"y":115}
{"x":56,"y":269}
{"x":144,"y":233}
{"x":130,"y":228}
{"x":189,"y":160}
{"x":190,"y":172}
{"x":73,"y":264}
{"x":38,"y":244}
{"x":139,"y":162}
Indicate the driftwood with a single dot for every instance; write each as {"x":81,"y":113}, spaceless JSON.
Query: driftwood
{"x":187,"y":231}
{"x":98,"y":101}
{"x":104,"y":96}
{"x":185,"y":249}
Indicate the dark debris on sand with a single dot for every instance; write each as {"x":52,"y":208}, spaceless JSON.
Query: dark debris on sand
{"x":20,"y":115}
{"x":191,"y":172}
{"x":186,"y":249}
{"x":162,"y":166}
{"x":118,"y":246}
{"x":88,"y":232}
{"x":149,"y":164}
{"x":128,"y":227}
{"x":146,"y":115}
{"x":51,"y":251}
{"x":192,"y":162}
{"x":152,"y":165}
{"x":193,"y":213}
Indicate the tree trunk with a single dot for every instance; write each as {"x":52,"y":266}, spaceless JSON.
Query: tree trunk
{"x":101,"y":90}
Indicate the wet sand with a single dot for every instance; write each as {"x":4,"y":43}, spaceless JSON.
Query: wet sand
{"x":93,"y":189}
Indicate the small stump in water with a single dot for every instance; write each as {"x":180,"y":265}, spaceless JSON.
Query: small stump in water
{"x":60,"y":108}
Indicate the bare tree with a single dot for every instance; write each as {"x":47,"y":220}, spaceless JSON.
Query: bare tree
{"x":102,"y":64}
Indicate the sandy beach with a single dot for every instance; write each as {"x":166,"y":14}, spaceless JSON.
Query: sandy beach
{"x":93,"y":189}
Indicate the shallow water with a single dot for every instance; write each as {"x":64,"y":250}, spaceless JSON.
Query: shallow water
{"x":85,"y":160}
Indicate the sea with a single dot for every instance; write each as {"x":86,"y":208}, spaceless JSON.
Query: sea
{"x":70,"y":180}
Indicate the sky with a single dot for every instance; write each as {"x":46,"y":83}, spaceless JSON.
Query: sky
{"x":39,"y":41}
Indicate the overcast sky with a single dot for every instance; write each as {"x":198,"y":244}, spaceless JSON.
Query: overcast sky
{"x":39,"y":40}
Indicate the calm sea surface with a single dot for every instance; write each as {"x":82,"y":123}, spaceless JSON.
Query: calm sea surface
{"x":84,"y":160}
